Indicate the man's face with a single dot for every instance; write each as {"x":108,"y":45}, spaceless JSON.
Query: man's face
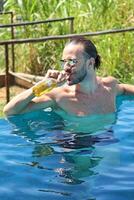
{"x":74,"y":63}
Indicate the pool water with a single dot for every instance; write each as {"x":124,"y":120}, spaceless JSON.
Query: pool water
{"x":43,"y":157}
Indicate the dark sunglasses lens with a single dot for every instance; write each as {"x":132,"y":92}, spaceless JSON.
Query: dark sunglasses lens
{"x":70,"y":62}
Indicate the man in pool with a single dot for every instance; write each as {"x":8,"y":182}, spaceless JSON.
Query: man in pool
{"x":83,"y":93}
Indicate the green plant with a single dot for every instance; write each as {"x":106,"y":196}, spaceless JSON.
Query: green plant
{"x":116,"y":50}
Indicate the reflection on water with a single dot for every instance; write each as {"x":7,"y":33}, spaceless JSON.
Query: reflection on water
{"x":52,"y":136}
{"x":86,"y":124}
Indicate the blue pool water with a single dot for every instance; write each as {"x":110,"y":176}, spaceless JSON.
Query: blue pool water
{"x":43,"y":156}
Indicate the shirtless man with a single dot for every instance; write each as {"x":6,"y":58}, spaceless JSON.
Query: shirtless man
{"x":82,"y":94}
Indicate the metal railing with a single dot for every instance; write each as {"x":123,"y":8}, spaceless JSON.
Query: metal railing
{"x":67,"y":36}
{"x":43,"y":39}
{"x":12,"y":35}
{"x":71,"y":19}
{"x":12,"y":25}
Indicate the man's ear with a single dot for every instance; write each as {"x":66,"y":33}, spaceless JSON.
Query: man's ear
{"x":91,"y":62}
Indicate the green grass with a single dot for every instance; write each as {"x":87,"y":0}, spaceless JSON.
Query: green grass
{"x":2,"y":103}
{"x":117,"y":50}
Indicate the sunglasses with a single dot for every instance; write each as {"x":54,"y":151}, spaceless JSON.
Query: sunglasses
{"x":69,"y":62}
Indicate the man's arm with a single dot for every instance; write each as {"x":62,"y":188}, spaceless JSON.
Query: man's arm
{"x":26,"y":102}
{"x":126,"y":89}
{"x":119,"y":88}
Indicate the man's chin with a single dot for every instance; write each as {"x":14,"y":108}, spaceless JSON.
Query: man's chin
{"x":69,"y":82}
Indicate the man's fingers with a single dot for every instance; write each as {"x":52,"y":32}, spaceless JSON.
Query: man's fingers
{"x":61,"y":77}
{"x":52,"y":74}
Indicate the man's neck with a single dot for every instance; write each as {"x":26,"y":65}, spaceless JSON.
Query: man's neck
{"x":88,"y":86}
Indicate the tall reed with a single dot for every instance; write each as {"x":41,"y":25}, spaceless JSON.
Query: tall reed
{"x":116,"y":50}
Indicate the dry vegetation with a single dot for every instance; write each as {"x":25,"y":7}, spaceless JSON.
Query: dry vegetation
{"x":14,"y":90}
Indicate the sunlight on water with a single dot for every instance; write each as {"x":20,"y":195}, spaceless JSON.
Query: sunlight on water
{"x":47,"y":156}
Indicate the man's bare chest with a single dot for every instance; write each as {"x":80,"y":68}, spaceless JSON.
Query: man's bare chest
{"x":81,"y":105}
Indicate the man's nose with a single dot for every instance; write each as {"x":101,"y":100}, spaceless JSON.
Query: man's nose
{"x":67,"y":68}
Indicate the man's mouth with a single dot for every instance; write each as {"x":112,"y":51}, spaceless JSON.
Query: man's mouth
{"x":69,"y":76}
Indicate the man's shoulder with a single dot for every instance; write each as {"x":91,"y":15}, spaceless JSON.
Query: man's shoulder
{"x":109,"y":81}
{"x":58,"y":91}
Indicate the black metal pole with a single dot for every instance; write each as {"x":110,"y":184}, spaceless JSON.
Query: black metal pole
{"x":12,"y":46}
{"x":36,"y":22}
{"x":72,"y":25}
{"x":58,"y":37}
{"x":7,"y":73}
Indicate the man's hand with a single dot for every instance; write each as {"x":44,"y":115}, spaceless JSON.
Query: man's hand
{"x":59,"y":76}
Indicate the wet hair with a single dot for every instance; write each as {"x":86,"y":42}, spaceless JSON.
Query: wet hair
{"x":89,"y":48}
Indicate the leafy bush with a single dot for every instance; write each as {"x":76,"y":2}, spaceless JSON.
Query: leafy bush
{"x":117,"y":50}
